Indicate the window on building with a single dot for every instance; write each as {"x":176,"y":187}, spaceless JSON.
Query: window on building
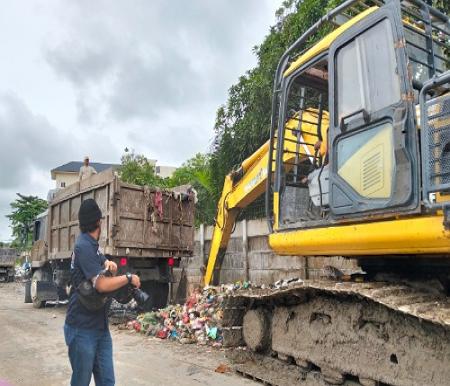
{"x":63,"y":184}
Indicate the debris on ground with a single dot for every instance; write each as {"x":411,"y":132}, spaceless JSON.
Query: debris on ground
{"x":199,"y":320}
{"x":284,"y":283}
{"x":222,"y":368}
{"x":120,"y":314}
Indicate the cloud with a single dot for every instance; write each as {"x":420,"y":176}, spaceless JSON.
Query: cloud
{"x":29,"y":141}
{"x":155,"y":55}
{"x":94,"y":77}
{"x":32,"y":146}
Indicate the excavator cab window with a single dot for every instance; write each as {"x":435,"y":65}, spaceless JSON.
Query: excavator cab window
{"x":304,"y":149}
{"x":366,"y":74}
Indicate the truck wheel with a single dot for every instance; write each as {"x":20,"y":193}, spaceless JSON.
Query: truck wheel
{"x":158,"y":293}
{"x":38,"y":275}
{"x":28,"y":292}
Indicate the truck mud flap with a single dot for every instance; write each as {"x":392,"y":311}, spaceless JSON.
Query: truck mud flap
{"x":46,"y":290}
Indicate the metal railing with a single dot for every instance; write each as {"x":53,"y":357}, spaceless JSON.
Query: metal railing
{"x":435,"y":141}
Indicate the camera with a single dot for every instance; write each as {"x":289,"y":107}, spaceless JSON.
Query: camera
{"x":128,"y":292}
{"x":140,"y":296}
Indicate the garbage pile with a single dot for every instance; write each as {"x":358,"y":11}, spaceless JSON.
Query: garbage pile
{"x":122,"y":313}
{"x":197,"y":321}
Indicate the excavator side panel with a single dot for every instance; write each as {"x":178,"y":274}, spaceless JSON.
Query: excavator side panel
{"x":412,"y":236}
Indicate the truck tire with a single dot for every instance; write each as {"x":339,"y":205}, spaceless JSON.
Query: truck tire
{"x":38,"y":275}
{"x":158,"y":293}
{"x":28,"y":292}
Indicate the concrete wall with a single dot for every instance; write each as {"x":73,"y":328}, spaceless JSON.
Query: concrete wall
{"x":249,"y":257}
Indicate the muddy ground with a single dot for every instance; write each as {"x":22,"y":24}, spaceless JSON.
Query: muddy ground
{"x":33,"y":352}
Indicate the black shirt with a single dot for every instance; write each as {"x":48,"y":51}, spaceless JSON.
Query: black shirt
{"x":87,"y":262}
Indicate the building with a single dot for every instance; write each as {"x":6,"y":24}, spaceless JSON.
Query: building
{"x":67,"y":174}
{"x":164,"y":171}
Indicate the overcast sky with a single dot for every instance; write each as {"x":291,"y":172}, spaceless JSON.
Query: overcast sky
{"x":93,"y":77}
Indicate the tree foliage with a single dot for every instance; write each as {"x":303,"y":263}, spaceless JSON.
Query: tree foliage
{"x":243,"y":122}
{"x":442,"y":5}
{"x":24,"y":210}
{"x":139,"y":170}
{"x":197,"y":172}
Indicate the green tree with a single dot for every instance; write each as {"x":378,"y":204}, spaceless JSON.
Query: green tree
{"x":243,"y":122}
{"x":24,"y":211}
{"x":139,"y":170}
{"x":442,"y":5}
{"x":197,"y":172}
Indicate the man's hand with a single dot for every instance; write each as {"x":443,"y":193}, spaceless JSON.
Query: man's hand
{"x":111,"y":266}
{"x":317,"y":145}
{"x":110,"y":284}
{"x":135,"y":281}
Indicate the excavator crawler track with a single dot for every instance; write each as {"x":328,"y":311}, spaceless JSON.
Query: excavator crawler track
{"x":322,"y":332}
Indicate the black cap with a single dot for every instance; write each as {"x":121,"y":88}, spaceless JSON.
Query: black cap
{"x":89,"y":212}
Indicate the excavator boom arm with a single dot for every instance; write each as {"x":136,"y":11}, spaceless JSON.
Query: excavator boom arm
{"x":240,"y":189}
{"x":245,"y":185}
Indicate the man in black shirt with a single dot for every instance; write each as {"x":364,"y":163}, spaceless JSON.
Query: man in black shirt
{"x":86,"y":332}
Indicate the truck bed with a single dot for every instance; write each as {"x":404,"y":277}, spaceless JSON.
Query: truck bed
{"x":8,"y":257}
{"x":137,"y":221}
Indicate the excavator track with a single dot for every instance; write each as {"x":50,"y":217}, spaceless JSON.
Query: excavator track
{"x":349,"y":333}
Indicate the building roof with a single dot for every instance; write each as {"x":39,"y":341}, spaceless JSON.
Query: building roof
{"x":74,"y":167}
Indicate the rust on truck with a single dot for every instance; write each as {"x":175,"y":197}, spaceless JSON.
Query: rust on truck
{"x":137,"y":221}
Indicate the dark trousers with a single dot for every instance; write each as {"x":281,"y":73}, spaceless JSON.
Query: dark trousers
{"x":90,"y":352}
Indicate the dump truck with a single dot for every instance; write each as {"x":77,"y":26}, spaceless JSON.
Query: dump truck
{"x":357,"y":165}
{"x":144,"y":230}
{"x":7,"y":264}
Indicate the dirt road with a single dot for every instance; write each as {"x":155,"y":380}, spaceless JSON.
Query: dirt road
{"x":33,"y":352}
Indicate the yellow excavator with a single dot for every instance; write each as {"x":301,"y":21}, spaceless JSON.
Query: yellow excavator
{"x":357,"y":165}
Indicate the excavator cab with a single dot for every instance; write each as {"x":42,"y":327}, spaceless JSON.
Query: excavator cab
{"x":361,"y":83}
